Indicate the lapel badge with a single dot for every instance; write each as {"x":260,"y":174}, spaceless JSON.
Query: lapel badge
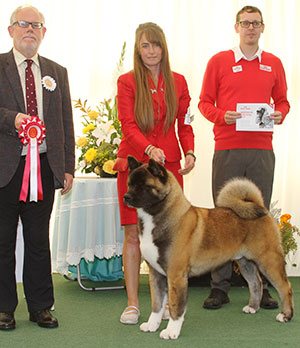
{"x":49,"y":83}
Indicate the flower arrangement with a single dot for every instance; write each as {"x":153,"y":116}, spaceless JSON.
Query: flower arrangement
{"x":288,"y":231}
{"x":101,"y":133}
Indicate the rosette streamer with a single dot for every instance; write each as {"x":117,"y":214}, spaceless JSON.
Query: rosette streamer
{"x":32,"y":133}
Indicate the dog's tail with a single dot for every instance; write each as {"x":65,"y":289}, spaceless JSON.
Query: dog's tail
{"x":243,"y":197}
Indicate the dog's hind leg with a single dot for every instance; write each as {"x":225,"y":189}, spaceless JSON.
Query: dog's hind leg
{"x":158,"y":290}
{"x":250,"y":273}
{"x":177,"y":288}
{"x":272,"y":265}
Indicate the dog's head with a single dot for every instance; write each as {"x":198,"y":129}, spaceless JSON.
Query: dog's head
{"x":147,"y":184}
{"x":260,"y":112}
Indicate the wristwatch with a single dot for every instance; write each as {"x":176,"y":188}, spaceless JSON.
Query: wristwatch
{"x":191,"y":154}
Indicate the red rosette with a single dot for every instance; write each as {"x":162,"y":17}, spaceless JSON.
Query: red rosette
{"x":32,"y":128}
{"x":32,"y":133}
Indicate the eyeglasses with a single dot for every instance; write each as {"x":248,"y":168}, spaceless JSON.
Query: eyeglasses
{"x":246,"y":24}
{"x":25,"y":24}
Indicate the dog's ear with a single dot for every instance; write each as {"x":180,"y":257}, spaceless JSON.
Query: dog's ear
{"x":156,"y":169}
{"x":133,"y":163}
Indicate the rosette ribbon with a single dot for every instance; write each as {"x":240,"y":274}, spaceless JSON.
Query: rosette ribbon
{"x":32,"y":133}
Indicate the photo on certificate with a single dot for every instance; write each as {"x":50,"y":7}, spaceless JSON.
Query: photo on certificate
{"x":255,"y":117}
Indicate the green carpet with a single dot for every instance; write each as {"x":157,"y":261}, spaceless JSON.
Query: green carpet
{"x":91,"y":319}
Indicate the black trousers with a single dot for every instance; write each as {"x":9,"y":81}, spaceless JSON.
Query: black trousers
{"x":35,"y":217}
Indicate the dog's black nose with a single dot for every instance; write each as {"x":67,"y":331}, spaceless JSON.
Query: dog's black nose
{"x":127,"y":199}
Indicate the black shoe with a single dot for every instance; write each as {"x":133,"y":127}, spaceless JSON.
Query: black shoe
{"x":267,"y":302}
{"x":7,"y":321}
{"x":44,"y":319}
{"x":215,"y":299}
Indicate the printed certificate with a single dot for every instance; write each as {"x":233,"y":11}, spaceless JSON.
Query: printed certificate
{"x":255,"y":117}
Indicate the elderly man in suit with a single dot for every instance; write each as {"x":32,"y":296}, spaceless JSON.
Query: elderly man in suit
{"x":57,"y":159}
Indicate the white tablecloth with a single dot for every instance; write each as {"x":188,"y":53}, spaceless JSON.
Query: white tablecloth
{"x":86,"y":223}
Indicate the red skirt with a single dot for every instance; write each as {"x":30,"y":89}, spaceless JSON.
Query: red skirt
{"x":128,"y":215}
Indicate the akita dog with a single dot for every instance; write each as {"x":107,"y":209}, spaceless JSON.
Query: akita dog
{"x":179,"y":240}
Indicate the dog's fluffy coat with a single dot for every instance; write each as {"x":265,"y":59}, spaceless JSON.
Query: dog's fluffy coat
{"x":179,"y":240}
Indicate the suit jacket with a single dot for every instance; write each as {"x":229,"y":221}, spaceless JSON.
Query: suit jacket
{"x":134,"y":142}
{"x":58,"y":120}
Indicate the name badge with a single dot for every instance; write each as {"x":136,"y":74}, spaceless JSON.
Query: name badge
{"x":237,"y":68}
{"x":188,"y":117}
{"x":265,"y":68}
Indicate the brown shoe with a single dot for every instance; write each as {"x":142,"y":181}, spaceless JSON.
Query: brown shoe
{"x":267,"y":302}
{"x":7,"y":321}
{"x":44,"y":319}
{"x":215,"y":299}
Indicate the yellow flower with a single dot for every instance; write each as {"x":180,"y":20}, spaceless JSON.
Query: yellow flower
{"x":93,"y":114}
{"x":108,"y":167}
{"x":285,"y":218}
{"x":90,"y":155}
{"x":88,"y":128}
{"x":82,"y":141}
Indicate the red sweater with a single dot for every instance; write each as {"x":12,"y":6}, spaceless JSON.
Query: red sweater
{"x":251,"y":82}
{"x":134,"y":142}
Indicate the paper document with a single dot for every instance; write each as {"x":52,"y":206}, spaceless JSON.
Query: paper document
{"x":255,"y":117}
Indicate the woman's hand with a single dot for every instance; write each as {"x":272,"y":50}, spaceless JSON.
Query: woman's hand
{"x":189,"y":164}
{"x":158,"y":155}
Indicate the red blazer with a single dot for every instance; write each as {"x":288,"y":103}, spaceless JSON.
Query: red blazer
{"x":134,"y":142}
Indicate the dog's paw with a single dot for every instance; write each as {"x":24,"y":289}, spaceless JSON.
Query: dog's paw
{"x":169,"y":334}
{"x":149,"y":327}
{"x":153,"y":322}
{"x":249,"y":310}
{"x":282,"y":318}
{"x":173,"y":329}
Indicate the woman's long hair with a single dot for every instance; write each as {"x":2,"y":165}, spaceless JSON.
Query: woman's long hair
{"x":143,"y":108}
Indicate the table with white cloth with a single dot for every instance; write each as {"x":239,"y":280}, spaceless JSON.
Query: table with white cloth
{"x":87,"y":233}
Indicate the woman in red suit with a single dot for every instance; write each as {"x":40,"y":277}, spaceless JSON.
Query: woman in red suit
{"x":151,"y":98}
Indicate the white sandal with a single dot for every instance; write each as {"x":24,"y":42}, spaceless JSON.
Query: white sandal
{"x":130,"y":316}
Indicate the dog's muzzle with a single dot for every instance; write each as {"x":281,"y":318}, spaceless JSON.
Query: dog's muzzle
{"x":127,"y":199}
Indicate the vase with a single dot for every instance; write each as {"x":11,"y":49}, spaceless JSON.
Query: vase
{"x":103,"y":174}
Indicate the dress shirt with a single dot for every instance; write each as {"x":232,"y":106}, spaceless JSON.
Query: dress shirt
{"x":238,"y":54}
{"x":22,"y":65}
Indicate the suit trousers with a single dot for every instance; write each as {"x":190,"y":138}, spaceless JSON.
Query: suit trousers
{"x":35,"y":217}
{"x":258,"y":166}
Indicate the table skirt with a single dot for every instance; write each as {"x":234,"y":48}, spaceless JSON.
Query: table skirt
{"x":99,"y":269}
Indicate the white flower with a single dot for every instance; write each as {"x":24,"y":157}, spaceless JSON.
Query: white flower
{"x":117,"y":140}
{"x":80,"y":165}
{"x":104,"y":132}
{"x":49,"y":83}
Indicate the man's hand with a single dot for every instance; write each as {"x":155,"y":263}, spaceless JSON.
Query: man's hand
{"x":231,"y":116}
{"x":67,"y":183}
{"x":276,"y":117}
{"x":19,"y":119}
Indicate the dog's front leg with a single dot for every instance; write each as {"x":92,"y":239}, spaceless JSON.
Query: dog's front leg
{"x":158,"y":290}
{"x":177,"y":288}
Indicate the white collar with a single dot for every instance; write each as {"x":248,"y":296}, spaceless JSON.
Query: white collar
{"x":19,"y":58}
{"x":238,"y":54}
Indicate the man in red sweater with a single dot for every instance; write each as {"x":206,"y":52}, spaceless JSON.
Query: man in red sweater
{"x":245,"y":74}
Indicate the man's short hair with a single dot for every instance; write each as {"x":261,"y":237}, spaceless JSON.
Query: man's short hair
{"x":248,"y":9}
{"x":14,"y":14}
